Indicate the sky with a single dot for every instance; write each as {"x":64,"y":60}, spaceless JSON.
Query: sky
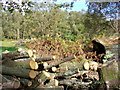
{"x":78,"y":4}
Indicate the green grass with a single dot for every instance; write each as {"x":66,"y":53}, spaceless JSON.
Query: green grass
{"x":2,"y":49}
{"x":8,"y":45}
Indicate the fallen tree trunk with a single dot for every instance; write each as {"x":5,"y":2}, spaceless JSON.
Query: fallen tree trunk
{"x":25,"y":73}
{"x":22,"y":63}
{"x":60,"y":61}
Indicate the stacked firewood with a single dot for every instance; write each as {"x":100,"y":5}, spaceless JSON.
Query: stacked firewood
{"x":23,"y":68}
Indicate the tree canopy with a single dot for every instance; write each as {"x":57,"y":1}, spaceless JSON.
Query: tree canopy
{"x":36,"y":20}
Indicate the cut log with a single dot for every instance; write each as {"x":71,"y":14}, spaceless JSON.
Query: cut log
{"x":39,"y":80}
{"x":11,"y":84}
{"x":60,"y":61}
{"x":25,"y":82}
{"x":22,"y":63}
{"x":42,"y":78}
{"x":25,"y":73}
{"x":16,"y":54}
{"x":53,"y":82}
{"x":30,"y":53}
{"x":69,"y":74}
{"x":16,"y":84}
{"x":53,"y":69}
{"x":86,"y":65}
{"x":93,"y":65}
{"x":3,"y":79}
{"x":43,"y":59}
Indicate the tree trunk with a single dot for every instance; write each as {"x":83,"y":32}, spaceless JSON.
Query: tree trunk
{"x":18,"y":34}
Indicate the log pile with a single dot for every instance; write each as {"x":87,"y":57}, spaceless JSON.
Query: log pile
{"x":24,"y":69}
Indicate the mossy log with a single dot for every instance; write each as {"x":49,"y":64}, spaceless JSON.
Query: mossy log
{"x":60,"y":61}
{"x":17,"y":54}
{"x":25,"y":73}
{"x":22,"y":63}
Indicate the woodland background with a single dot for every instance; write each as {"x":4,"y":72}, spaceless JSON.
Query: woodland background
{"x":47,"y":19}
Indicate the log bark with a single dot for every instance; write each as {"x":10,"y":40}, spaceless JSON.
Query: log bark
{"x":43,"y":59}
{"x":60,"y":61}
{"x":16,"y":54}
{"x":25,"y":73}
{"x":22,"y":63}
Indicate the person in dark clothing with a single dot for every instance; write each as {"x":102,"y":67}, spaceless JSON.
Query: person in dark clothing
{"x":99,"y":49}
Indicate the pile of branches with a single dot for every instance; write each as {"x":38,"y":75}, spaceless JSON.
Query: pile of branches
{"x":24,"y":69}
{"x":58,"y":47}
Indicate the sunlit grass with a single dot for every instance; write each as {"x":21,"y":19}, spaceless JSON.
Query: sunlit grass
{"x":8,"y":45}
